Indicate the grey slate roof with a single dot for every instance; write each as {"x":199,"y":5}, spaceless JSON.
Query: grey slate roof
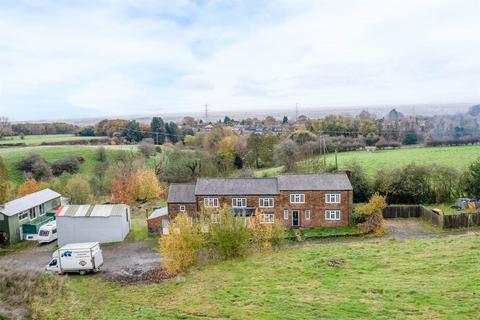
{"x":181,"y":193}
{"x":314,"y":182}
{"x":29,"y":201}
{"x":236,"y":186}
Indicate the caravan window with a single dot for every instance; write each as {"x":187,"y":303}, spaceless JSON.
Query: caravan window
{"x":23,"y":215}
{"x":126,"y":214}
{"x":54,"y":231}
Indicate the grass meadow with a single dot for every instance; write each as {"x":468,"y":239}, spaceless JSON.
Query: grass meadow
{"x":35,"y":140}
{"x":411,"y":279}
{"x":12,"y":156}
{"x":458,"y":157}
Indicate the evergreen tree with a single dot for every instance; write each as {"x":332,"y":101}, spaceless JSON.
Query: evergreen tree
{"x":173,"y":133}
{"x":285,"y":120}
{"x":157,"y":127}
{"x":133,"y":132}
{"x":410,"y":137}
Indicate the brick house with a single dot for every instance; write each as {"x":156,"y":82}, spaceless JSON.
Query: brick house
{"x":298,"y":200}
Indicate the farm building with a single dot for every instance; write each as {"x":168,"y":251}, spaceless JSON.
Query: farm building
{"x":158,"y":221}
{"x":93,"y":223}
{"x":21,"y":218}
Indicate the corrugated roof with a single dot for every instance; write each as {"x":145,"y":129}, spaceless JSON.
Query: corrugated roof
{"x":314,"y":182}
{"x":236,"y":186}
{"x":29,"y":201}
{"x":181,"y":193}
{"x":99,"y":210}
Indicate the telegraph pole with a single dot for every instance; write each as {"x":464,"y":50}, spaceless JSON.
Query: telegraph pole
{"x":206,"y":113}
{"x":296,"y":111}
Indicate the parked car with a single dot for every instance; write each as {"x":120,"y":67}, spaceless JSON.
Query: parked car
{"x":48,"y":232}
{"x":77,"y":257}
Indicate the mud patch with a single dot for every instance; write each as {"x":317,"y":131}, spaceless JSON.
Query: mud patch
{"x":133,"y":276}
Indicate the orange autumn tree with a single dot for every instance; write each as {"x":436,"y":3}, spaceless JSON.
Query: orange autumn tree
{"x":29,"y":186}
{"x":140,"y":185}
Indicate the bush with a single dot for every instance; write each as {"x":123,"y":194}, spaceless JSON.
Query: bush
{"x":147,"y":148}
{"x":230,"y":236}
{"x":28,"y":187}
{"x":35,"y":166}
{"x":373,"y":215}
{"x":78,"y":190}
{"x":70,"y":164}
{"x":101,"y":154}
{"x":471,"y":179}
{"x":181,"y":247}
{"x":360,"y":182}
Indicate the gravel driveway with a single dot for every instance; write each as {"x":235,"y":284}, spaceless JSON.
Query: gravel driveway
{"x":126,"y":259}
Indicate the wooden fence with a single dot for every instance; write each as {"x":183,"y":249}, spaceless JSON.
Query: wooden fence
{"x":461,"y":220}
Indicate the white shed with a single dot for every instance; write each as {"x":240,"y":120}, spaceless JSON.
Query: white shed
{"x":93,"y":223}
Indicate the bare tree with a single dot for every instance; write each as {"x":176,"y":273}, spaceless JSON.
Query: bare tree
{"x":5,"y":127}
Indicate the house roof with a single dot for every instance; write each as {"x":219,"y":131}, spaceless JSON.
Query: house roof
{"x":27,"y":202}
{"x":314,"y":182}
{"x":236,"y":186}
{"x":181,"y":193}
{"x":99,"y":210}
{"x":160,"y":212}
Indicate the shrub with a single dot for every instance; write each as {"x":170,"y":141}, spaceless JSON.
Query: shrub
{"x":229,"y":236}
{"x":181,"y":247}
{"x":28,"y":187}
{"x":101,"y":154}
{"x":147,"y":148}
{"x":267,"y":236}
{"x":70,"y":164}
{"x":78,"y":190}
{"x":471,"y":179}
{"x":373,"y":214}
{"x":360,"y":182}
{"x":35,"y":166}
{"x":146,"y":185}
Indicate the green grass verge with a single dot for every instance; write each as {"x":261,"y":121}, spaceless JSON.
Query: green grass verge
{"x":413,"y":279}
{"x":16,"y":247}
{"x":316,"y":233}
{"x":456,"y":157}
{"x":35,"y":140}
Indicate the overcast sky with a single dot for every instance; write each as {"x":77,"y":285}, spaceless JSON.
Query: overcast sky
{"x":64,"y":59}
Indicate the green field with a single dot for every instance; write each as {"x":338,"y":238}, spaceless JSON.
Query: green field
{"x":412,"y":279}
{"x":12,"y":156}
{"x":35,"y":140}
{"x":456,"y":157}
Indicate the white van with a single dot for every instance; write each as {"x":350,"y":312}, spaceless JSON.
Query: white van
{"x":77,"y":257}
{"x":48,"y":232}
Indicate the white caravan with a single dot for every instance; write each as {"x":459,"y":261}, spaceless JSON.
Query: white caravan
{"x":77,"y":257}
{"x":48,"y":232}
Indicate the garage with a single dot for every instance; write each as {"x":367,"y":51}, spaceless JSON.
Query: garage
{"x":93,"y":223}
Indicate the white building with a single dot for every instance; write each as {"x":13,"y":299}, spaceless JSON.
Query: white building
{"x":93,"y":223}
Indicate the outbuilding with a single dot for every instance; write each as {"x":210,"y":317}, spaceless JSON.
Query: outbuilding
{"x":21,"y":218}
{"x":157,"y":221}
{"x":93,"y":223}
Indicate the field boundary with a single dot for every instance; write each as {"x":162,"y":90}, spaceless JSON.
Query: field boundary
{"x":461,"y":220}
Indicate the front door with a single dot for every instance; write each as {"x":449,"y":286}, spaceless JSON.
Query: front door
{"x":295,"y":218}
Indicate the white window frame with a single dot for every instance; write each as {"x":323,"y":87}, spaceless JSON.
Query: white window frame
{"x":267,"y":218}
{"x":215,"y":217}
{"x":333,"y":198}
{"x":334,"y":213}
{"x":308,"y":214}
{"x":41,"y":209}
{"x":297,"y":198}
{"x":183,"y":208}
{"x":266,"y":202}
{"x":286,"y":214}
{"x":239,"y":202}
{"x":25,"y":213}
{"x":210,"y":202}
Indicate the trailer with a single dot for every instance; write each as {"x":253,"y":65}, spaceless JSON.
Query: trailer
{"x":48,"y":232}
{"x":77,"y":257}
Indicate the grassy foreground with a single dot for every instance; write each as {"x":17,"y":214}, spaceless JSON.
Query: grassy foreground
{"x":415,"y":279}
{"x":456,"y":157}
{"x":35,"y":140}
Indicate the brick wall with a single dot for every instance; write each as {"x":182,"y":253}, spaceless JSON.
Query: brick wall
{"x":155,"y":225}
{"x":174,"y":209}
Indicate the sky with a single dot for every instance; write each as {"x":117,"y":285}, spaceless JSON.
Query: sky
{"x":69,"y":59}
